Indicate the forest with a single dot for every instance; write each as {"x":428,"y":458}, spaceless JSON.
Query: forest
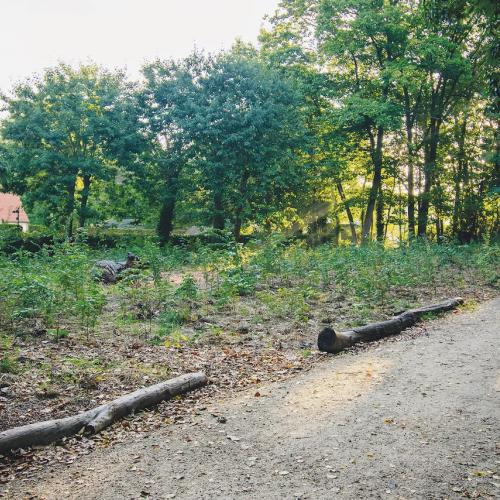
{"x":374,"y":119}
{"x":341,"y":171}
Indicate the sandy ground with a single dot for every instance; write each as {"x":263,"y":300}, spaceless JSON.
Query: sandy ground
{"x":412,"y":419}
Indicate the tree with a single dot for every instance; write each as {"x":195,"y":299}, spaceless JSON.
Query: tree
{"x":393,"y":67}
{"x":353,"y":41}
{"x":168,"y":99}
{"x":235,"y":122}
{"x":65,"y":130}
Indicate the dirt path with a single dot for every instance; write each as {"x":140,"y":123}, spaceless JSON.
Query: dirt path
{"x":411,"y":419}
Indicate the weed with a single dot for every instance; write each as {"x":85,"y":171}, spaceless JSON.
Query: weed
{"x":8,"y":365}
{"x":187,"y":289}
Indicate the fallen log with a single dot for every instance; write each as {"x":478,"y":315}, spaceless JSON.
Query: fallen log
{"x":96,"y":419}
{"x":332,"y":342}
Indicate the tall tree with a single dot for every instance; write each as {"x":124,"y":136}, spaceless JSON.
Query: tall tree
{"x":168,"y":100}
{"x":64,"y":130}
{"x":237,"y":123}
{"x":353,"y":41}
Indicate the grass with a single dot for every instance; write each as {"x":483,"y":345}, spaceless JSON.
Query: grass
{"x":58,"y":291}
{"x":8,"y":365}
{"x":233,"y":309}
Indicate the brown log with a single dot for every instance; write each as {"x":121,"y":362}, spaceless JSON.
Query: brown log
{"x":331,"y":341}
{"x":96,"y":419}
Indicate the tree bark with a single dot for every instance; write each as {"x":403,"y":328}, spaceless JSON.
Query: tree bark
{"x":329,"y":341}
{"x":172,"y":169}
{"x":409,"y":122}
{"x":380,"y":216}
{"x":97,"y":419}
{"x":167,"y":212}
{"x":430,"y":155}
{"x":376,"y":154}
{"x":354,"y":237}
{"x":459,"y":177}
{"x":166,"y":222}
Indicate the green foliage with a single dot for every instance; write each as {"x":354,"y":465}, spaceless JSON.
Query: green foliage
{"x":80,"y":123}
{"x":187,"y":289}
{"x":231,"y":123}
{"x":285,"y":303}
{"x":238,"y":281}
{"x":8,"y":365}
{"x":55,"y":292}
{"x":49,"y":288}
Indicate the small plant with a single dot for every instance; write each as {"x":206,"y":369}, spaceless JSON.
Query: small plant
{"x":286,"y":303}
{"x":8,"y":365}
{"x":170,"y":321}
{"x":89,"y":307}
{"x":58,"y":333}
{"x":187,"y":289}
{"x":176,"y":339}
{"x":238,"y":281}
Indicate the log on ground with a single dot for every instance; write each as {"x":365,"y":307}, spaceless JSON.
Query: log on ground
{"x":96,"y":419}
{"x":333,"y":342}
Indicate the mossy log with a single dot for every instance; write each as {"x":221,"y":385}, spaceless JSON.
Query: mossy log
{"x":331,"y":341}
{"x":96,"y":419}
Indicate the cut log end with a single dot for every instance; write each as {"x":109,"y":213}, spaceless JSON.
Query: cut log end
{"x":327,"y":339}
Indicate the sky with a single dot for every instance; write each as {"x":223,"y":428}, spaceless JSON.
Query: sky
{"x":36,"y":34}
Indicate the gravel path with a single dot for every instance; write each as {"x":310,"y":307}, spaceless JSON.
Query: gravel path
{"x":418,"y":418}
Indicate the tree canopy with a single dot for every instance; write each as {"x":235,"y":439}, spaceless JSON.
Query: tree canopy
{"x":381,"y":115}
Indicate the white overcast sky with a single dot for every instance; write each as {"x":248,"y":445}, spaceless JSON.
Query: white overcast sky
{"x":35,"y":34}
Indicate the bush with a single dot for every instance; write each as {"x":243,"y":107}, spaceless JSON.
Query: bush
{"x":12,"y":240}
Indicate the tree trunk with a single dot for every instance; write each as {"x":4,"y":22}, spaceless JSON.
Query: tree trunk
{"x":380,"y":216}
{"x":97,"y":419}
{"x":87,"y":179}
{"x":376,"y":154}
{"x":460,"y":175}
{"x":439,"y":230}
{"x":409,"y":121}
{"x":167,"y":212}
{"x":171,"y":169}
{"x":329,"y":341}
{"x":354,"y":237}
{"x":430,"y":151}
{"x":237,"y":226}
{"x":166,"y":222}
{"x":494,"y":183}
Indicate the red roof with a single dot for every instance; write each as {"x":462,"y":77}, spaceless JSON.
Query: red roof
{"x":9,"y":204}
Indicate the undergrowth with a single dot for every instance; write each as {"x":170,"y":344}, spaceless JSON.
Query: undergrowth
{"x":57,"y":293}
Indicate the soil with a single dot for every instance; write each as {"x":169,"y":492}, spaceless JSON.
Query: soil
{"x":409,"y":417}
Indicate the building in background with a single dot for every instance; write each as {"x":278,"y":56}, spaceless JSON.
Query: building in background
{"x":12,"y":211}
